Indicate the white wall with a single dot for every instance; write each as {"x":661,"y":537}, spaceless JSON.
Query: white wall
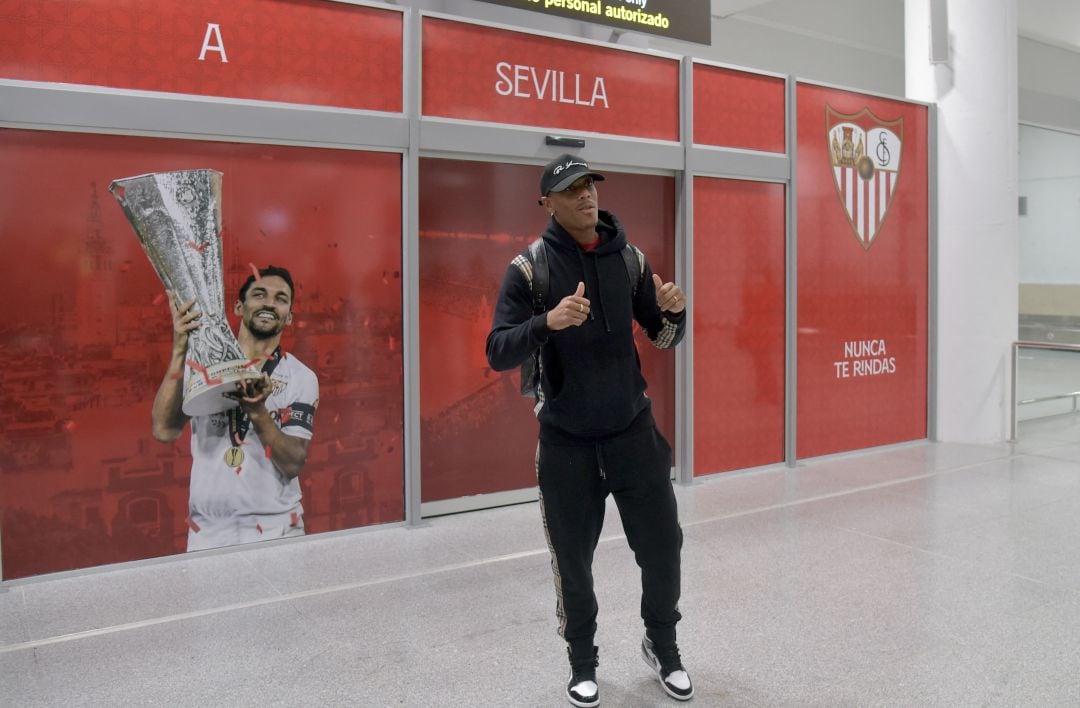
{"x":1049,"y":85}
{"x":977,"y":273}
{"x":1051,"y":21}
{"x":851,"y":43}
{"x":1050,"y":232}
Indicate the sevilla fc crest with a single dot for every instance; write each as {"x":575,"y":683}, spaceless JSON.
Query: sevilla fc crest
{"x":865,"y":154}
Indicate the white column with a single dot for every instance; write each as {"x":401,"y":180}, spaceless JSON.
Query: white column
{"x":977,"y":260}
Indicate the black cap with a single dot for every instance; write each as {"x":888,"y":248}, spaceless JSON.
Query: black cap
{"x":563,"y":171}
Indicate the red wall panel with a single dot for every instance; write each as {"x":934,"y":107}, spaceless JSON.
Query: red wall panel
{"x":862,"y":271}
{"x":513,"y":77}
{"x":296,"y":51}
{"x":85,"y":346}
{"x":738,"y":109}
{"x":478,"y":434}
{"x":738,"y":308}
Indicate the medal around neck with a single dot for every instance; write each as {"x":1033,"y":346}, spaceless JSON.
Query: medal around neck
{"x":177,"y":219}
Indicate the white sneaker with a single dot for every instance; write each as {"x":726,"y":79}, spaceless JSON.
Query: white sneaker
{"x":581,"y":689}
{"x":669,"y":670}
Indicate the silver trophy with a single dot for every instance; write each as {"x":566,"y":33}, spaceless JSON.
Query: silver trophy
{"x":177,"y":217}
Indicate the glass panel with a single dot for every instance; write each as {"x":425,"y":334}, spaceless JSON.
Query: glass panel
{"x":1049,"y":297}
{"x":1049,"y":236}
{"x":738,"y":324}
{"x":1047,"y":382}
{"x":862,"y":271}
{"x":88,"y":334}
{"x":478,"y":434}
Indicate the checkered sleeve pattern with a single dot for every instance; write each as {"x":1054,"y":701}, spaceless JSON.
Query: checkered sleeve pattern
{"x":665,"y":338}
{"x":540,"y":388}
{"x":525,"y":266}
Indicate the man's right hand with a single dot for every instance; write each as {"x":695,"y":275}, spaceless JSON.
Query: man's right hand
{"x":572,"y":311}
{"x":184,"y":320}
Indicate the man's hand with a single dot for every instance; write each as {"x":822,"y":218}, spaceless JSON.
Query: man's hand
{"x":184,"y":320}
{"x":669,"y":296}
{"x":167,"y":415}
{"x":251,"y":394}
{"x":572,"y":311}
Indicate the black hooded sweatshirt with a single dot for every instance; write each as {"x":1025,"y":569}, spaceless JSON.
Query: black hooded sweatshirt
{"x":591,"y":383}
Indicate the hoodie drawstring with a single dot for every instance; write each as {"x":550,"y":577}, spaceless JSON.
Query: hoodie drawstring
{"x":599,"y":289}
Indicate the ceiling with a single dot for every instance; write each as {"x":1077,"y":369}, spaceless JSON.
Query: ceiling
{"x":1055,"y":22}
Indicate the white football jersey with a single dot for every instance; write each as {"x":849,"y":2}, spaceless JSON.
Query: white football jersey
{"x":230,"y":480}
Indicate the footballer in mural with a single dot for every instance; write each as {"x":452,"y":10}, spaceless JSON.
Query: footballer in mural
{"x":865,"y":154}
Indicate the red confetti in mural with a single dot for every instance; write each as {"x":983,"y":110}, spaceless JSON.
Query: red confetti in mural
{"x":202,"y":370}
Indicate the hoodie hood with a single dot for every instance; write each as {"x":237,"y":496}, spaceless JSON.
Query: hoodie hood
{"x":612,"y":235}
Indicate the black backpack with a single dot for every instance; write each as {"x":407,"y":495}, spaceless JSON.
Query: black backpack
{"x":538,"y":281}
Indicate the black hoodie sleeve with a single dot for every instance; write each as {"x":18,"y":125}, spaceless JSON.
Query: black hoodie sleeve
{"x":665,"y":329}
{"x":515,"y":331}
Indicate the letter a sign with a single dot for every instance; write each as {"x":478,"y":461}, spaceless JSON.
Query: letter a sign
{"x":865,"y":155}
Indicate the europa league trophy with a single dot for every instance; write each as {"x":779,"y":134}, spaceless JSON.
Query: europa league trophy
{"x":177,"y":217}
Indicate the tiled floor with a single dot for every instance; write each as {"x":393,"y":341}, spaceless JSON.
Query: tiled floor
{"x":919,"y":575}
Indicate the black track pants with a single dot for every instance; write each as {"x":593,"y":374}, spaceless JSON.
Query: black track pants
{"x":574,"y":482}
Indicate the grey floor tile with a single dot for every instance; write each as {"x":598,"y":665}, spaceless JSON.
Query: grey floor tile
{"x":725,"y":494}
{"x":1035,"y":444}
{"x":995,"y":489}
{"x":944,"y":456}
{"x":1065,"y":428}
{"x":319,"y":563}
{"x":886,"y":514}
{"x":1046,"y":638}
{"x":922,"y":575}
{"x":1027,"y":546}
{"x":1058,"y":520}
{"x":231,"y":658}
{"x":520,"y":665}
{"x":1069,"y":452}
{"x":951,"y":674}
{"x":497,"y":532}
{"x":12,"y":616}
{"x":20,"y":679}
{"x":871,"y":469}
{"x":94,"y":600}
{"x":439,"y":609}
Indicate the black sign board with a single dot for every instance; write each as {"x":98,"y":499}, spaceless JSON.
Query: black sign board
{"x":678,"y":19}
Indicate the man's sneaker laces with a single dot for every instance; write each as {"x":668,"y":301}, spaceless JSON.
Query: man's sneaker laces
{"x":581,"y":689}
{"x":669,"y":670}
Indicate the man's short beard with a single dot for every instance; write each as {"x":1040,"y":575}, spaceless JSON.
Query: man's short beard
{"x":263,"y":334}
{"x":259,"y":334}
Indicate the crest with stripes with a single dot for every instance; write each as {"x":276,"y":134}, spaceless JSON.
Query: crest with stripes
{"x":865,"y":154}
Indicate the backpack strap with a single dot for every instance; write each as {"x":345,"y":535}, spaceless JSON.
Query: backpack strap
{"x":535,"y":269}
{"x":635,"y":266}
{"x":539,"y":280}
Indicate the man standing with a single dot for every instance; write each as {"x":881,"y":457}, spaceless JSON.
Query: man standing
{"x":597,"y":433}
{"x":245,"y":461}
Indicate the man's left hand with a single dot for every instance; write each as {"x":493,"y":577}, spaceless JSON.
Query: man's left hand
{"x":251,"y":393}
{"x":669,"y":296}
